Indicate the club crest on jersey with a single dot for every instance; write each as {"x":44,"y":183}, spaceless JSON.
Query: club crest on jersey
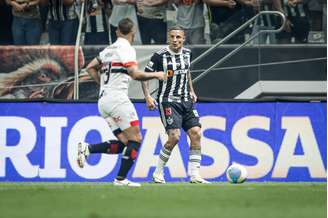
{"x":169,"y":120}
{"x":168,"y":111}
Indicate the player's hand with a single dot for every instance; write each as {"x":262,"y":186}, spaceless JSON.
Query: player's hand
{"x":162,"y":76}
{"x":193,"y":97}
{"x":151,"y":103}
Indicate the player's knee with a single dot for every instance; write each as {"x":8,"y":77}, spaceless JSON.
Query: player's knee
{"x":173,"y":138}
{"x":133,"y":134}
{"x":195,"y":135}
{"x":137,"y":137}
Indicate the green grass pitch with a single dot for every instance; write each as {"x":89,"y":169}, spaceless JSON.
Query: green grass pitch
{"x":176,"y":200}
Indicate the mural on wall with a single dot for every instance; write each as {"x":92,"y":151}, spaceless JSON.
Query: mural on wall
{"x":38,"y":72}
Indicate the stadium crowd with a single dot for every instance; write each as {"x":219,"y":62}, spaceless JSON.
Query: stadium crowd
{"x":55,"y":22}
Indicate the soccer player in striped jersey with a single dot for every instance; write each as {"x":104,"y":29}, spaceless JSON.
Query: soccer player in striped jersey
{"x":176,"y":98}
{"x":117,"y":64}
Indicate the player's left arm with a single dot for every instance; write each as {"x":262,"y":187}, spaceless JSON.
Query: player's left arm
{"x":192,"y":92}
{"x":93,"y":68}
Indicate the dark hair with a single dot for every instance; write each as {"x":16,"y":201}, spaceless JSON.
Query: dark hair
{"x":176,"y":28}
{"x":125,"y":26}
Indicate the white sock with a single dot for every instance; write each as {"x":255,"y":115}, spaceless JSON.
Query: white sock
{"x":194,"y":162}
{"x":162,"y":160}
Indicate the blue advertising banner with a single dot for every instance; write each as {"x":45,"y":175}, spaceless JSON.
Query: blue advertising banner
{"x":275,"y":141}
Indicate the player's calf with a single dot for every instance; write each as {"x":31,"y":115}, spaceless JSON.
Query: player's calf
{"x":129,"y":155}
{"x":107,"y":147}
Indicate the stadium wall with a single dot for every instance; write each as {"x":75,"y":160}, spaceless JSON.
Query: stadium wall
{"x":254,"y":72}
{"x":275,"y":141}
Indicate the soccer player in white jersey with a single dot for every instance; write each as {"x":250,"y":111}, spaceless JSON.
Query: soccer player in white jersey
{"x":117,"y":65}
{"x":176,"y":98}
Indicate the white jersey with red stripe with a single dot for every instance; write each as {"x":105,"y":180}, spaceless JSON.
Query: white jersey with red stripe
{"x":115,"y":59}
{"x":114,"y":104}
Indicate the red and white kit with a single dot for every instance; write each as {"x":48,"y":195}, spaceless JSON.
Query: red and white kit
{"x":114,"y":104}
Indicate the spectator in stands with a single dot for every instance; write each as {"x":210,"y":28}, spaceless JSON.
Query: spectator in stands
{"x":324,"y":19}
{"x":97,"y":26}
{"x":190,"y":17}
{"x":265,"y":22}
{"x":315,"y":12}
{"x":26,"y":25}
{"x":63,"y":21}
{"x":298,"y":25}
{"x":228,"y":15}
{"x":44,"y":26}
{"x":6,"y":37}
{"x":152,"y":21}
{"x":122,"y":9}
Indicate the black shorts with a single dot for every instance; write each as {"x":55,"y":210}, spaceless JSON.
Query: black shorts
{"x":175,"y":115}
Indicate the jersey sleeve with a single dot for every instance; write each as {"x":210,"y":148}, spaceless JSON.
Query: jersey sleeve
{"x":127,"y":56}
{"x":154,"y":64}
{"x":101,"y":56}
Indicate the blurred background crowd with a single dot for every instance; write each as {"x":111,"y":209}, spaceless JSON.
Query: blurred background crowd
{"x":55,"y":22}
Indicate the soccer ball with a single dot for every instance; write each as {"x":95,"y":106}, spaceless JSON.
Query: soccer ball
{"x":236,"y":173}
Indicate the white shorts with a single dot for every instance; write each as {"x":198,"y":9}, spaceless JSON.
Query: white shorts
{"x":118,"y":111}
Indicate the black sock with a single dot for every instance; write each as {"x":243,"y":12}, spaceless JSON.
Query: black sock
{"x":128,"y":158}
{"x":108,"y":147}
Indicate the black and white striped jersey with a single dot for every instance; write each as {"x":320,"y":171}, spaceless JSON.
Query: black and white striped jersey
{"x":97,"y":23}
{"x":267,"y":20}
{"x":300,"y":10}
{"x":176,"y":65}
{"x":59,"y":12}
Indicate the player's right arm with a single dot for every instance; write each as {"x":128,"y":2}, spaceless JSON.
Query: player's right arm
{"x":152,"y":66}
{"x":127,"y":56}
{"x":137,"y":74}
{"x":150,"y":101}
{"x":93,"y":68}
